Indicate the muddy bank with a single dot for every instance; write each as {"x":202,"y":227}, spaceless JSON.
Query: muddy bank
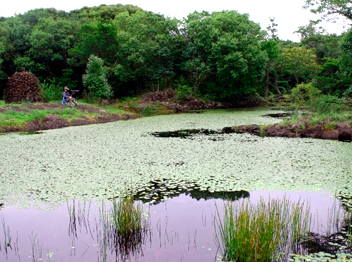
{"x":165,"y":101}
{"x":341,"y":132}
{"x":54,"y":121}
{"x":168,"y":99}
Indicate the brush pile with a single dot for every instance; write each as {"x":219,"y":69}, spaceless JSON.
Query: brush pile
{"x":22,"y":86}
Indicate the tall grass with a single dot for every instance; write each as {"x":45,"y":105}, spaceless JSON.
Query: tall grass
{"x":123,"y":229}
{"x":126,"y":217}
{"x":262,"y":232}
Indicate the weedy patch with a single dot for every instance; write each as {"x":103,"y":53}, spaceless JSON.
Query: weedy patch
{"x":126,"y":217}
{"x":262,"y":232}
{"x":125,"y":228}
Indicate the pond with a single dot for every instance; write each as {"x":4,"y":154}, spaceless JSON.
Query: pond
{"x":41,"y":175}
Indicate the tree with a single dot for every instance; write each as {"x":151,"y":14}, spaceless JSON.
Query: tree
{"x":346,"y":59}
{"x":324,"y":45}
{"x":300,"y":62}
{"x":146,"y":53}
{"x":270,"y":46}
{"x":95,"y":78}
{"x":225,"y":53}
{"x":103,"y":13}
{"x":310,"y":30}
{"x":98,"y":38}
{"x":329,"y":8}
{"x":271,"y":29}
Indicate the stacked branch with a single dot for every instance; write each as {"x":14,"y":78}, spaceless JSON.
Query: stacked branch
{"x":22,"y":86}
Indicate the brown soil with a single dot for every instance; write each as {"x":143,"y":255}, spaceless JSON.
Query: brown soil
{"x":166,"y":101}
{"x":341,"y":132}
{"x":53,"y":121}
{"x":169,"y":100}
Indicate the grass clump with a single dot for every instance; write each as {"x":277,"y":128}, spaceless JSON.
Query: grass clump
{"x":127,"y":217}
{"x":262,"y":232}
{"x":124,"y":228}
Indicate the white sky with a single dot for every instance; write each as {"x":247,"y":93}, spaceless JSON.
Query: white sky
{"x":289,"y":14}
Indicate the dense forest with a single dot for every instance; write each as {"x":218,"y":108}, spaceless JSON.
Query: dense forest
{"x":122,"y":50}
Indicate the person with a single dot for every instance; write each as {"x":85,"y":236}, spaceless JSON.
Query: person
{"x":67,"y":96}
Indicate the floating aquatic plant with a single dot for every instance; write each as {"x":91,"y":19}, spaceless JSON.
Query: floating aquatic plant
{"x":262,"y":232}
{"x":100,"y":154}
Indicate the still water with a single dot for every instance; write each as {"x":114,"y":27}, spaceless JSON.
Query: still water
{"x":42,"y":174}
{"x":180,"y":229}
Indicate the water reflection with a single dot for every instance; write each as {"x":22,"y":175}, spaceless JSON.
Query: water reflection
{"x":157,"y":191}
{"x":179,"y":229}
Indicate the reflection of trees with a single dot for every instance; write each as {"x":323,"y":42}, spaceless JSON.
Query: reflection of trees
{"x":206,"y":195}
{"x":158,"y":190}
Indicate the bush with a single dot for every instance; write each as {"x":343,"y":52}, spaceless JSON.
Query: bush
{"x":348,"y":92}
{"x":95,"y":78}
{"x":304,"y":94}
{"x":184,"y":91}
{"x":328,"y":104}
{"x":50,"y":92}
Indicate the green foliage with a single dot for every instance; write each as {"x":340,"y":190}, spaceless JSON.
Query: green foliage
{"x":222,"y":55}
{"x":346,"y":58}
{"x":127,"y":217}
{"x":348,"y":92}
{"x":184,"y":91}
{"x":299,"y":62}
{"x":330,"y":8}
{"x":147,"y":51}
{"x":98,"y":38}
{"x":104,"y":12}
{"x":50,"y":92}
{"x":150,"y":110}
{"x":95,"y":78}
{"x":304,"y":94}
{"x":224,"y":48}
{"x":262,"y":232}
{"x":328,"y":104}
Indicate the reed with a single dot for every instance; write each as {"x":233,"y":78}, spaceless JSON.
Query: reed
{"x":124,"y":228}
{"x":262,"y":232}
{"x":126,"y":217}
{"x":348,"y":226}
{"x":7,"y":237}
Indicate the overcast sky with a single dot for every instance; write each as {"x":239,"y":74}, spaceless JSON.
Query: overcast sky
{"x":289,"y":14}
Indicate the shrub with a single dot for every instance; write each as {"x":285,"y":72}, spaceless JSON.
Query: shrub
{"x":184,"y":91}
{"x":50,"y":92}
{"x":150,"y":110}
{"x":304,"y":94}
{"x":95,"y":78}
{"x":328,"y":104}
{"x":348,"y":92}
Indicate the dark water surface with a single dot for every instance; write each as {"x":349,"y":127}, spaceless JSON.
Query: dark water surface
{"x":181,"y":229}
